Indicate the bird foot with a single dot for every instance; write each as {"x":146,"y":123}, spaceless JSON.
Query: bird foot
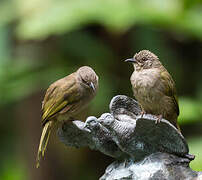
{"x":142,"y":113}
{"x":158,"y":119}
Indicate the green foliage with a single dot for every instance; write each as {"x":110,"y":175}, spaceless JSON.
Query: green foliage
{"x":39,"y":19}
{"x":21,"y":79}
{"x":13,"y":170}
{"x":190,"y":110}
{"x":42,"y":41}
{"x":195,"y":145}
{"x":8,"y":12}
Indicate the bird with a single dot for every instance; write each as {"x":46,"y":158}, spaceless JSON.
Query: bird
{"x":63,"y":100}
{"x":153,"y":87}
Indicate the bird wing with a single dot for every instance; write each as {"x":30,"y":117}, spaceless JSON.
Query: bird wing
{"x":170,"y":89}
{"x":59,"y":95}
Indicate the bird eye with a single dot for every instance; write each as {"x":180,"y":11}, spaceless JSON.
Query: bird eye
{"x":86,"y":82}
{"x":83,"y":80}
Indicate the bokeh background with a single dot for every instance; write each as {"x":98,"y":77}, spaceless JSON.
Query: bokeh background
{"x":42,"y":41}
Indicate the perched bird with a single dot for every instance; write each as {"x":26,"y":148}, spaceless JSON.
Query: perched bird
{"x":153,"y":87}
{"x":64,"y":99}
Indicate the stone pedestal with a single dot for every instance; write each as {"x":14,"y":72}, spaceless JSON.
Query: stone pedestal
{"x":142,"y":148}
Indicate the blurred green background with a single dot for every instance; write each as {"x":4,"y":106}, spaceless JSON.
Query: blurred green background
{"x":42,"y":41}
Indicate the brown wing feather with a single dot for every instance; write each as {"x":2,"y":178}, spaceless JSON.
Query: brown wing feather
{"x":58,"y":96}
{"x":170,"y":89}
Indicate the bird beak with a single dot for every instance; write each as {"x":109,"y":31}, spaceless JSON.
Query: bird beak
{"x":92,"y":86}
{"x":131,"y":60}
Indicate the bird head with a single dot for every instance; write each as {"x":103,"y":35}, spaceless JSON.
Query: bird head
{"x":88,"y":77}
{"x":144,"y":60}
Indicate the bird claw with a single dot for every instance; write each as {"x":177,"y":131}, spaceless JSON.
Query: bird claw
{"x":142,"y":113}
{"x":159,"y":118}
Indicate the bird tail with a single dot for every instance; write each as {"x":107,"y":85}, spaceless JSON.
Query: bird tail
{"x":44,"y":141}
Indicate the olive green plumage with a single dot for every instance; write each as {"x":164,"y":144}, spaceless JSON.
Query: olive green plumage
{"x":153,"y":86}
{"x":64,"y":99}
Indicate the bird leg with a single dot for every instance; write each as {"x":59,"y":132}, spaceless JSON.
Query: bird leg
{"x":158,"y":119}
{"x":142,"y":113}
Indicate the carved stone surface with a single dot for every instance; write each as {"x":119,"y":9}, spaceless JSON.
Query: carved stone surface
{"x":144,"y":149}
{"x":157,"y":166}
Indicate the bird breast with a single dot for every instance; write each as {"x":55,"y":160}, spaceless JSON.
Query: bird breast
{"x":144,"y":80}
{"x":143,"y":83}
